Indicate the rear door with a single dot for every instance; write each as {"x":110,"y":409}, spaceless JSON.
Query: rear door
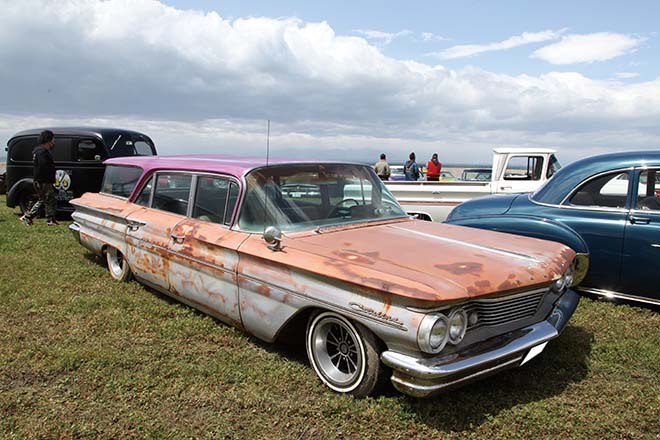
{"x":204,"y":258}
{"x":150,"y":229}
{"x":641,"y":262}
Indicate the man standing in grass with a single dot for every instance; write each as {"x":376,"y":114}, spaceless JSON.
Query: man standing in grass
{"x":44,"y":178}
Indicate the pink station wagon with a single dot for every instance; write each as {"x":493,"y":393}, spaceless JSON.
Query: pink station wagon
{"x":322,"y":253}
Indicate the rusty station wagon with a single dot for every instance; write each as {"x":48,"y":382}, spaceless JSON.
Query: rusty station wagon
{"x":371,"y":291}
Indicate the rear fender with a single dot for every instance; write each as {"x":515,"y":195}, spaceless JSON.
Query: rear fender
{"x":537,"y":227}
{"x":13,"y":195}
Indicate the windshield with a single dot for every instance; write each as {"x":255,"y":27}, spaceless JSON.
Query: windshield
{"x":297,"y":197}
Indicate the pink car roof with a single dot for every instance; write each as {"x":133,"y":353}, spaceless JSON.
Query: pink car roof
{"x":231,"y":165}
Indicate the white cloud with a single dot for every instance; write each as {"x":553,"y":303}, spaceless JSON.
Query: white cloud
{"x":626,"y":75}
{"x":383,"y":37}
{"x":198,"y":82}
{"x":429,"y":36}
{"x":588,"y":48}
{"x":466,"y":50}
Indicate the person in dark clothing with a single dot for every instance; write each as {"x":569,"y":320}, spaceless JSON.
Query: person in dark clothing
{"x":410,"y":169}
{"x":44,"y":178}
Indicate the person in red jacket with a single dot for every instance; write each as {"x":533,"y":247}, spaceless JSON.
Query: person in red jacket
{"x":433,"y":168}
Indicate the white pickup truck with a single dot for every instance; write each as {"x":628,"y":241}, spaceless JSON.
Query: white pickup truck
{"x":515,"y":170}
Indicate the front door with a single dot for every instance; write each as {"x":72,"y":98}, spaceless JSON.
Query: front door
{"x":204,"y":259}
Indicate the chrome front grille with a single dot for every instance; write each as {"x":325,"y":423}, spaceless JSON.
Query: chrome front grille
{"x":497,"y":311}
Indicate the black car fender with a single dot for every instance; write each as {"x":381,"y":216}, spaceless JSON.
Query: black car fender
{"x":530,"y":226}
{"x":14,"y":193}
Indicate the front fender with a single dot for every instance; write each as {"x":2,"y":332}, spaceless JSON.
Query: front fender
{"x":25,"y":184}
{"x":530,"y":226}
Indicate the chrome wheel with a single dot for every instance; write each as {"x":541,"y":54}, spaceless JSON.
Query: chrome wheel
{"x":117,"y":265}
{"x":343,"y":354}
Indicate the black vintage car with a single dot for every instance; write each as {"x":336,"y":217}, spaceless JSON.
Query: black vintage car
{"x":79,"y":153}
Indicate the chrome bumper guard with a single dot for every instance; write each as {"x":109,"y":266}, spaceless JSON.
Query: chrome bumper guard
{"x":423,"y":377}
{"x":75,"y":230}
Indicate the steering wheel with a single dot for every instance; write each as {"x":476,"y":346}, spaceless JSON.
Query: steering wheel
{"x":342,"y":211}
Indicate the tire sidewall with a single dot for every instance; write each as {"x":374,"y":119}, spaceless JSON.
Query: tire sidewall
{"x":360,"y":385}
{"x":125,"y":273}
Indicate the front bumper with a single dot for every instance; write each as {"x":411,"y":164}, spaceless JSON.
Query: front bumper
{"x":423,"y":377}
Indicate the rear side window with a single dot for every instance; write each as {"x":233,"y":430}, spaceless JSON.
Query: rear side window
{"x":21,"y":150}
{"x":211,"y":199}
{"x":172,"y":193}
{"x":606,"y":191}
{"x":120,"y":180}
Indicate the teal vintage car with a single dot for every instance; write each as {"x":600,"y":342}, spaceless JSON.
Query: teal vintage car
{"x":609,"y":204}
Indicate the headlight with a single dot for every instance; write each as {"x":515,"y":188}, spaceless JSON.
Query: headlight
{"x":457,"y":325}
{"x":560,"y":284}
{"x":433,"y":333}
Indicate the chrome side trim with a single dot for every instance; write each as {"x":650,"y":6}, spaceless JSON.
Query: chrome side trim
{"x":609,"y":294}
{"x":472,"y":245}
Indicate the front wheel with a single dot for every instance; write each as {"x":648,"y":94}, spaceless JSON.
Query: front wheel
{"x":344,"y":354}
{"x":117,"y":265}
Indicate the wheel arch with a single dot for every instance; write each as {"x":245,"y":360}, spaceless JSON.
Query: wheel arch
{"x":14,"y":193}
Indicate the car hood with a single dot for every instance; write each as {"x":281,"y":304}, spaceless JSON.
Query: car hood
{"x":489,"y":205}
{"x":429,"y":261}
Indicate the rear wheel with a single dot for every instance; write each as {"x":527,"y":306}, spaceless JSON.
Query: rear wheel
{"x":117,"y":265}
{"x":344,"y":354}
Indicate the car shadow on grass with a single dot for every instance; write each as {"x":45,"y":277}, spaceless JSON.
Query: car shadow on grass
{"x":563,"y":362}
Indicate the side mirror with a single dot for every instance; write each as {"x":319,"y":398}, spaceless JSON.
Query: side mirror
{"x":273,"y":236}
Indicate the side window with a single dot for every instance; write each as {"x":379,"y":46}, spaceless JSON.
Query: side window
{"x":142,"y":148}
{"x":609,"y":191}
{"x":21,"y":150}
{"x":120,"y":180}
{"x":89,"y":150}
{"x":211,"y":199}
{"x":524,"y":168}
{"x":144,"y":197}
{"x":648,"y":193}
{"x":172,"y":193}
{"x":62,"y":151}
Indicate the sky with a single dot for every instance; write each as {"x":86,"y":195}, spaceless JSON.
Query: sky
{"x":339,"y":80}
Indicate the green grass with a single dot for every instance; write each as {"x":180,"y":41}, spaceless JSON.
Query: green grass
{"x":84,"y":357}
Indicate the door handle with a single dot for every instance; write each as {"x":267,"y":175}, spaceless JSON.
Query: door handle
{"x":135,"y":225}
{"x":639,"y":220}
{"x":178,"y":239}
{"x":505,"y":187}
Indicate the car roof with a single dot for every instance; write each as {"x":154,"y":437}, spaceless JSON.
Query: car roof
{"x":570,"y":176}
{"x":77,"y":131}
{"x":236,"y":166}
{"x":508,"y":150}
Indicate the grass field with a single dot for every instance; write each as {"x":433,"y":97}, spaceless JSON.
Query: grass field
{"x":84,"y":357}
